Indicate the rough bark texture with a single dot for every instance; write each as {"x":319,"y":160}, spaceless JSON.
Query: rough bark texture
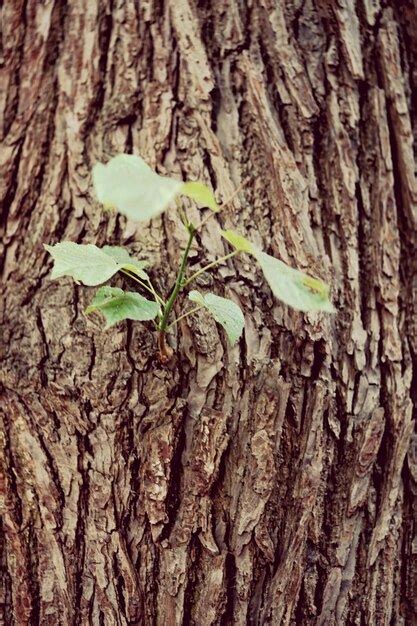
{"x":272,"y":483}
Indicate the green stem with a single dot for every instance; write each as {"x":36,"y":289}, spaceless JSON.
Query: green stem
{"x":178,"y":282}
{"x":181,"y":213}
{"x":210,"y":265}
{"x":194,"y":310}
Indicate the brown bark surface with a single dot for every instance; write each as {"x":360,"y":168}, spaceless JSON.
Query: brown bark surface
{"x":270,"y":483}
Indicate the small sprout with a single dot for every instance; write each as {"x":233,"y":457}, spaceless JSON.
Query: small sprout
{"x":130,"y":186}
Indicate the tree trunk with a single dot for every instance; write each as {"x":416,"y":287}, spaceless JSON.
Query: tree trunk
{"x":270,"y":483}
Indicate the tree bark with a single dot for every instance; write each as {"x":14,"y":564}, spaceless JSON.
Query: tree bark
{"x":270,"y":483}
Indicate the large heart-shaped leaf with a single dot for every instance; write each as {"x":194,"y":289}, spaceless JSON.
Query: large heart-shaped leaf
{"x":295,"y":288}
{"x":127,"y":184}
{"x":225,"y":312}
{"x":299,"y":290}
{"x":117,"y":305}
{"x":89,"y":264}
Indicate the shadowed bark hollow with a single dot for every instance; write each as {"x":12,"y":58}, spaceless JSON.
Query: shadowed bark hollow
{"x":270,"y":483}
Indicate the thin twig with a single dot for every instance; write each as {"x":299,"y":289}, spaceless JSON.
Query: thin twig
{"x":181,"y":317}
{"x":210,"y":265}
{"x":148,"y":288}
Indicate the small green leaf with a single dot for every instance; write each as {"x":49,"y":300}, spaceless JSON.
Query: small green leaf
{"x":117,"y":305}
{"x":225,"y":312}
{"x":201,"y":194}
{"x":238,"y":241}
{"x":90,"y":265}
{"x":295,"y":288}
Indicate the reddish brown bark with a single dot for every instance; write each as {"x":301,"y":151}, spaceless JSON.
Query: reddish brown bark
{"x":270,"y":483}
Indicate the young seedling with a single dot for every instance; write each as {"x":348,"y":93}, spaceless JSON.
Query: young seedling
{"x":128,"y":185}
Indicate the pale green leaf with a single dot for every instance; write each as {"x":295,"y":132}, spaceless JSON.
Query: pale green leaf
{"x":238,"y":241}
{"x":293,"y":287}
{"x":84,"y":263}
{"x":117,"y":305}
{"x":90,"y":265}
{"x":201,"y":194}
{"x":226,"y":312}
{"x":127,"y":184}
